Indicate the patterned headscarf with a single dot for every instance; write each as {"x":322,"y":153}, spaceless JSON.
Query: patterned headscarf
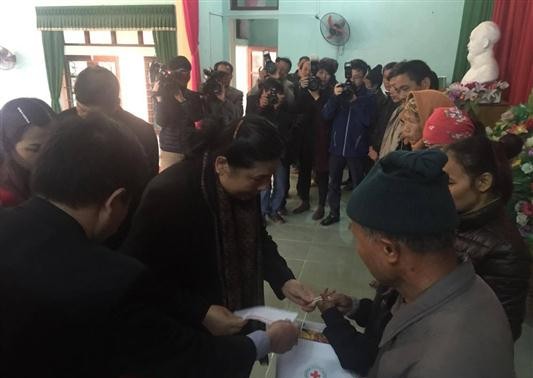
{"x":447,"y":125}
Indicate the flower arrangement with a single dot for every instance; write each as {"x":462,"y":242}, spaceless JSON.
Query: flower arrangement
{"x":468,"y":96}
{"x":518,"y":120}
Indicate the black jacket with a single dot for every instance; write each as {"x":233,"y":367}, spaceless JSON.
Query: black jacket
{"x":491,"y":241}
{"x":357,"y":351}
{"x":71,"y":308}
{"x":145,"y":135}
{"x":176,"y":233}
{"x":281,"y":118}
{"x":177,"y":120}
{"x":384,"y":109}
{"x":143,"y":131}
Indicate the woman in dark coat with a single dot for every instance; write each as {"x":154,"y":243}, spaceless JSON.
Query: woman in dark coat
{"x":24,"y":128}
{"x":199,"y":225}
{"x":315,"y":136}
{"x":481,"y":185}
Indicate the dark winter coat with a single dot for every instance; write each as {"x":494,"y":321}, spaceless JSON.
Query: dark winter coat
{"x":176,"y":233}
{"x":490,"y":240}
{"x":71,"y":308}
{"x":351,"y":124}
{"x":281,"y":118}
{"x":313,"y":131}
{"x":177,"y":120}
{"x":384,"y":109}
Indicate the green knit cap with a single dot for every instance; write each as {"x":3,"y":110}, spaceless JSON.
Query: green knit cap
{"x":406,"y":193}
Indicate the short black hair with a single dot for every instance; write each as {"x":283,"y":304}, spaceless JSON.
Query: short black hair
{"x":179,"y":62}
{"x":416,"y":70}
{"x":245,"y":142}
{"x":284,"y":59}
{"x":441,"y":242}
{"x":389,"y":66}
{"x":304,"y":58}
{"x":360,"y":65}
{"x":97,"y":86}
{"x":223,"y":63}
{"x":86,"y":160}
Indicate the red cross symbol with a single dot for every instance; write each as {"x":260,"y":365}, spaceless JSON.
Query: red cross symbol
{"x":315,"y":374}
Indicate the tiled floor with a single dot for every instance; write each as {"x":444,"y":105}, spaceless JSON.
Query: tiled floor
{"x":325,"y":257}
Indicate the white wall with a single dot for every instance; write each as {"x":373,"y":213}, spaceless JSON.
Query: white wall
{"x":18,"y":32}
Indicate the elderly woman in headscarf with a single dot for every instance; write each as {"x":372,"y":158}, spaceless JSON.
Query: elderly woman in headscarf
{"x":418,"y":107}
{"x":447,"y":125}
{"x":24,"y":128}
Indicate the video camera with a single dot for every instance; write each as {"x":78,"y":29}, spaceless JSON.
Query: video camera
{"x":314,"y":82}
{"x":168,"y":79}
{"x":213,"y":86}
{"x":268,"y":65}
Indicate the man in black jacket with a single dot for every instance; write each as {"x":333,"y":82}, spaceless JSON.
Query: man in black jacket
{"x":72,"y":308}
{"x":270,"y":103}
{"x":98,"y":89}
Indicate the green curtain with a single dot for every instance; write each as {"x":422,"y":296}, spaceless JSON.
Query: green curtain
{"x":474,"y":12}
{"x":122,"y":17}
{"x":54,"y":51}
{"x":166,"y":45}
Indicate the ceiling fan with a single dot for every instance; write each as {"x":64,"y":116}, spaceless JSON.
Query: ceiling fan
{"x":7,"y":59}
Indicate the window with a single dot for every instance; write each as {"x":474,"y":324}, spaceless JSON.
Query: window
{"x":254,"y":5}
{"x":127,"y":37}
{"x":74,"y":64}
{"x":108,"y":38}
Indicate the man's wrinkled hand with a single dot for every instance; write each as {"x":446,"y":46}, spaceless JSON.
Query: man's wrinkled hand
{"x":283,"y":336}
{"x":221,"y":321}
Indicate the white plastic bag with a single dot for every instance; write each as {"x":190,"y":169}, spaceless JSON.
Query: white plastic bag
{"x":311,"y":359}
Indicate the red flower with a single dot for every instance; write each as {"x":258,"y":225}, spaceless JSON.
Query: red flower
{"x":529,"y":124}
{"x":527,"y":208}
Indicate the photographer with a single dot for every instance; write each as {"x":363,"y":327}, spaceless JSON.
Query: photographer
{"x":279,"y":71}
{"x":314,"y":131}
{"x":351,"y":109}
{"x":270,"y":103}
{"x":295,"y":77}
{"x":177,"y":110}
{"x":233,"y":95}
{"x":216,"y":103}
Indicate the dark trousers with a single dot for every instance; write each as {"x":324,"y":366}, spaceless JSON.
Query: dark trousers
{"x":304,"y":173}
{"x":273,"y":197}
{"x":356,"y":167}
{"x":322,"y":180}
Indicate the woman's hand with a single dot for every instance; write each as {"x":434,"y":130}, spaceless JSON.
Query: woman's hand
{"x":304,"y":82}
{"x":298,"y":293}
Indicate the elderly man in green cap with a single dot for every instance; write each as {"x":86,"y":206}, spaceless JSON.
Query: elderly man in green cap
{"x":444,"y":320}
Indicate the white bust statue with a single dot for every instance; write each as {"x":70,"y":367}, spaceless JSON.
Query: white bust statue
{"x":483,"y":66}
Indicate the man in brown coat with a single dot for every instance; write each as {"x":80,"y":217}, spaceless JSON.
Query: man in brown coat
{"x":446,"y":321}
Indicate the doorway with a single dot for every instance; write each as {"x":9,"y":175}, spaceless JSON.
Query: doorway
{"x":252,"y":38}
